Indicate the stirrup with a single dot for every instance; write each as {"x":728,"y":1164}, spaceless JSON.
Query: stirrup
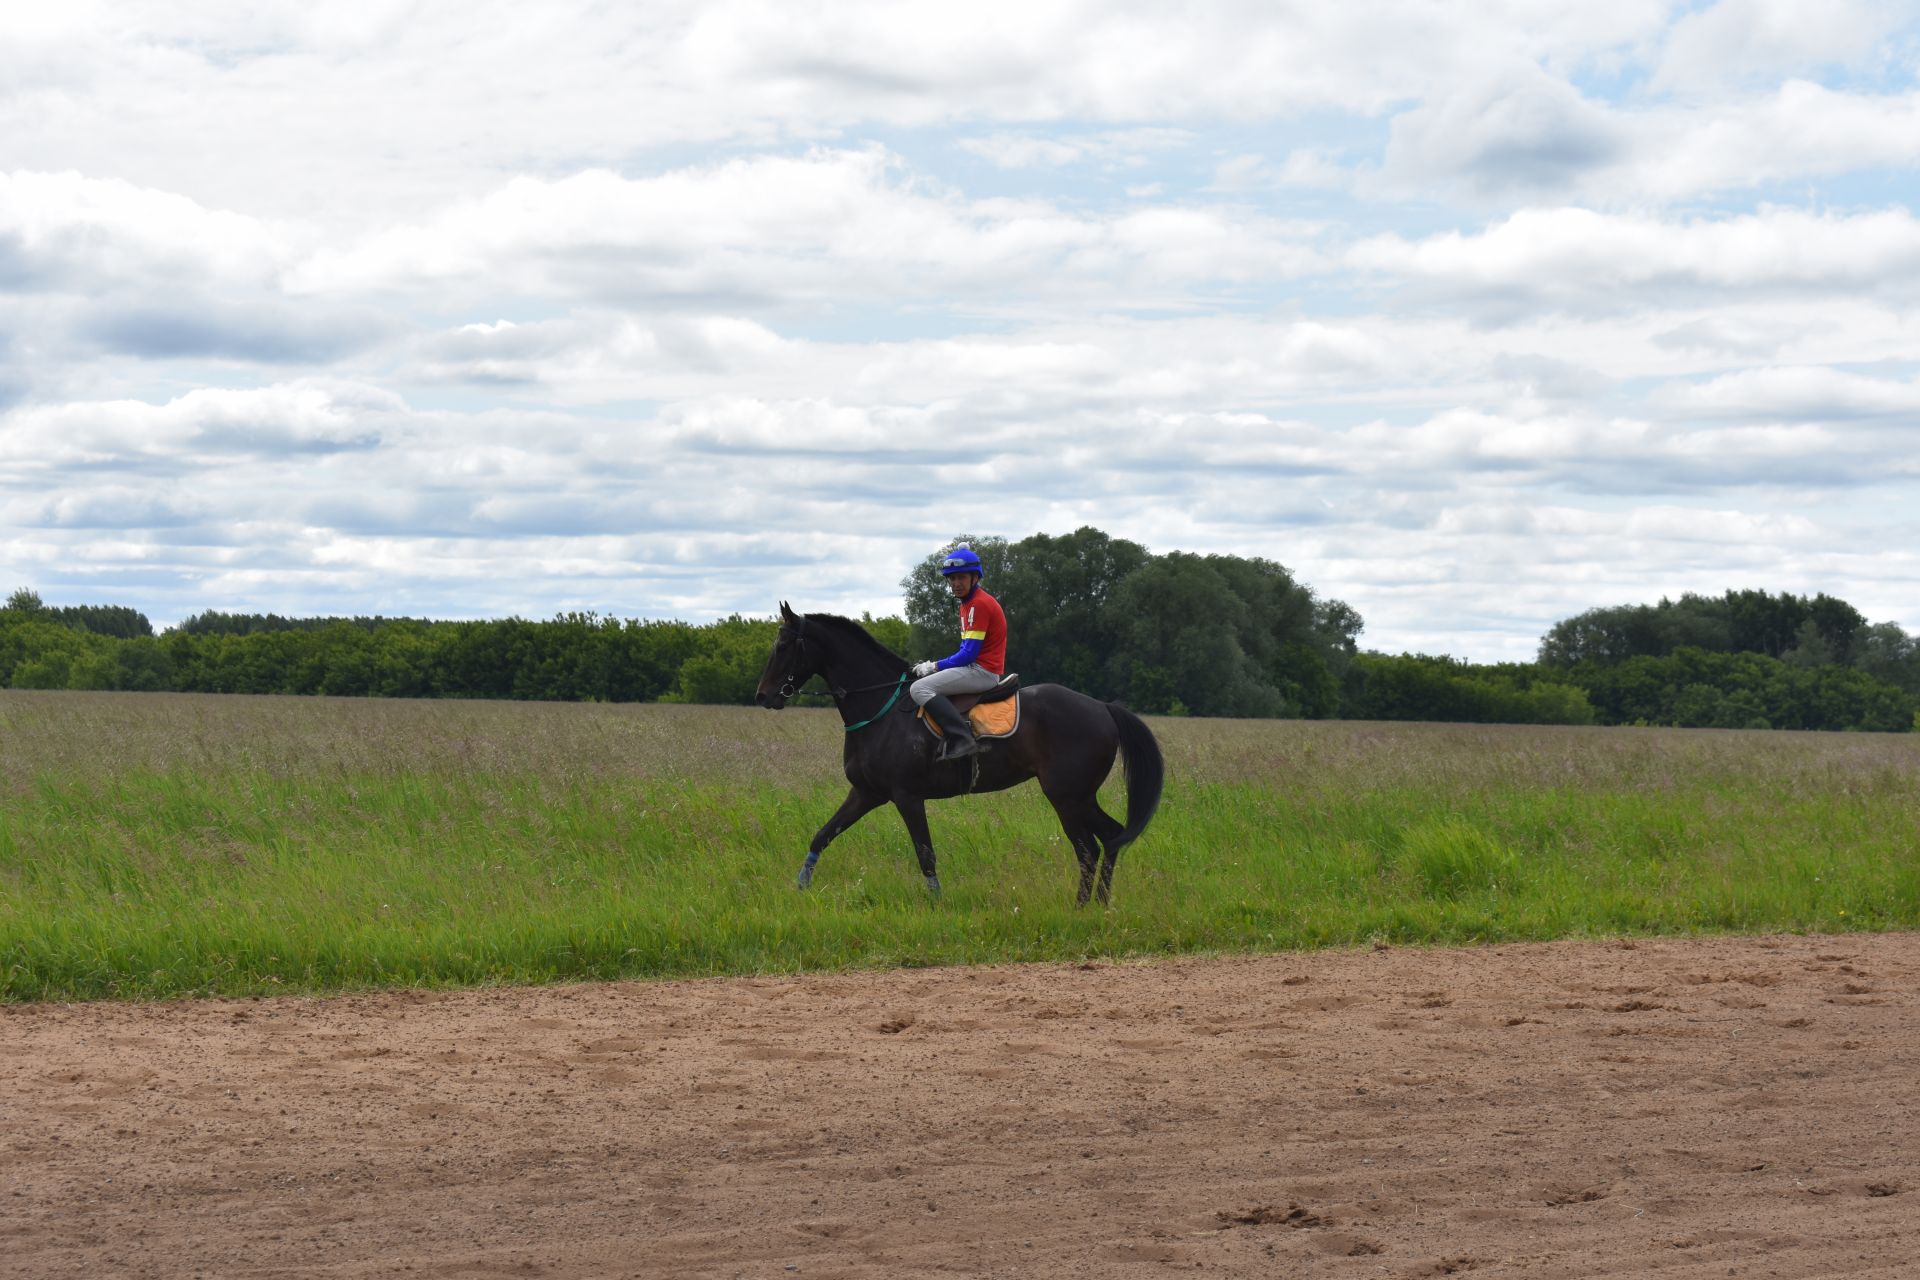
{"x":948,"y":753}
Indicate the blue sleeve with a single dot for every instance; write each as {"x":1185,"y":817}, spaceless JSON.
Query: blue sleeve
{"x":968,"y":652}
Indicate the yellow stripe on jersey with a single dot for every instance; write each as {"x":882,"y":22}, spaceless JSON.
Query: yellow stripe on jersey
{"x":973,"y":635}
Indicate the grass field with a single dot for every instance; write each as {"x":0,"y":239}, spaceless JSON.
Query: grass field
{"x":161,"y":845}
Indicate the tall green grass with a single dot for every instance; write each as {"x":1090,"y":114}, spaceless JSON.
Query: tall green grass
{"x":164,"y":845}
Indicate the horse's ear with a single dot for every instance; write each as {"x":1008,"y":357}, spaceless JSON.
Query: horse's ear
{"x":787,"y":612}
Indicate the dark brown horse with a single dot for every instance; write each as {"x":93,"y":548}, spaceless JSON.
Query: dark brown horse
{"x":1065,"y":739}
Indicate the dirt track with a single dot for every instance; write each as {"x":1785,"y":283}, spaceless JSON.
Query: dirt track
{"x":1692,"y":1108}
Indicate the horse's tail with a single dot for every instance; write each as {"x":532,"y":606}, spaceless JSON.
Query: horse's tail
{"x":1146,"y":773}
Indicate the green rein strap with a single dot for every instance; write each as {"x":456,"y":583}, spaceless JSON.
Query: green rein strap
{"x":898,"y":686}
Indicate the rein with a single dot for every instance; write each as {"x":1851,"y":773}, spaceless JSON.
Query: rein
{"x":898,"y":685}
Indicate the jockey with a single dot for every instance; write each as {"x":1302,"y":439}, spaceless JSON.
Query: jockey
{"x":976,"y":666}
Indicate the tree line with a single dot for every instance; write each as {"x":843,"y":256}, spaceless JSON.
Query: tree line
{"x":1741,"y":660}
{"x":575,"y":657}
{"x":1171,"y":633}
{"x":1746,"y":659}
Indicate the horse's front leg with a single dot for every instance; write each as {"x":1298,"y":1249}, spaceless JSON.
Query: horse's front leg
{"x":856,"y":806}
{"x":913,"y":811}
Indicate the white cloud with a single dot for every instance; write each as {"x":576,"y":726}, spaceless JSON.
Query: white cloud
{"x":1801,"y":130}
{"x":591,"y":356}
{"x":1525,"y":130}
{"x":282,"y":109}
{"x":1121,"y":149}
{"x":1652,"y":523}
{"x":1023,"y":151}
{"x":1747,"y":40}
{"x":830,"y":224}
{"x":1799,"y":394}
{"x":602,"y":356}
{"x":96,"y":265}
{"x":1586,"y":260}
{"x":1530,"y":135}
{"x":67,"y":231}
{"x":201,"y":427}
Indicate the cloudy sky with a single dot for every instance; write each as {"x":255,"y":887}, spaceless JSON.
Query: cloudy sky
{"x":1475,"y":316}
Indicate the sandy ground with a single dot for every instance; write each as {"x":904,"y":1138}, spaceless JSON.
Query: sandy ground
{"x":1686,"y":1108}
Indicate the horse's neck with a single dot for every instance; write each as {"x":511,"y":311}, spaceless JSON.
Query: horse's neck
{"x":852,"y":665}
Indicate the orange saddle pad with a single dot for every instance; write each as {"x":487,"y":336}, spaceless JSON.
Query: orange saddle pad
{"x":994,"y":720}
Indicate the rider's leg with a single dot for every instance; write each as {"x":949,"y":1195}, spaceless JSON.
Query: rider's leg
{"x":933,"y":692}
{"x":956,"y":731}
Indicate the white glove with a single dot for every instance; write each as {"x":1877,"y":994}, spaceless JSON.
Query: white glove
{"x":926,"y":668}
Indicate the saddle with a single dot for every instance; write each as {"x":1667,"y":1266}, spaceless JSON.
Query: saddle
{"x":1008,"y":686}
{"x":995,"y":713}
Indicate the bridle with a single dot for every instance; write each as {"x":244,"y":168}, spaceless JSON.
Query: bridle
{"x":790,"y":687}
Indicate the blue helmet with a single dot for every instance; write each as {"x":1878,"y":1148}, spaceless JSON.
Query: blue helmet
{"x":960,"y":560}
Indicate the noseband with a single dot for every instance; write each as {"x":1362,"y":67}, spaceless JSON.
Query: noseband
{"x":789,"y":687}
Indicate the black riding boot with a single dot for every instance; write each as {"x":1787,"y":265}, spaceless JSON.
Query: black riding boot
{"x":957,"y":730}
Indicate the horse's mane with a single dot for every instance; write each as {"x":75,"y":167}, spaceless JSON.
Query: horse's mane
{"x":855,"y":632}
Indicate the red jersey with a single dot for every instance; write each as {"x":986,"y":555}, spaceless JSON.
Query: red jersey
{"x":981,"y":619}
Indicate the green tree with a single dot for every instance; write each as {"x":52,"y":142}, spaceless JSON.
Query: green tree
{"x":117,"y":621}
{"x":1811,"y":648}
{"x":1887,"y":653}
{"x":1057,"y":592}
{"x":895,"y":633}
{"x":1181,"y":615}
{"x":36,"y":654}
{"x":727,"y":669}
{"x":1421,"y":687}
{"x":1745,"y":621}
{"x":142,"y":666}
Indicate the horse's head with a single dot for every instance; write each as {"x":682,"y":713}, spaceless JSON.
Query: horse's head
{"x":794,"y":661}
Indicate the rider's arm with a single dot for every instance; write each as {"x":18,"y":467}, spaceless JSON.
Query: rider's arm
{"x":969,"y":651}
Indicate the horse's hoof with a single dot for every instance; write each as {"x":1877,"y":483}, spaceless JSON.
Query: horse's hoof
{"x":806,"y":878}
{"x":933,"y":887}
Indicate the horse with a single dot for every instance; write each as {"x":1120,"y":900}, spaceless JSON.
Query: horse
{"x":1067,"y":740}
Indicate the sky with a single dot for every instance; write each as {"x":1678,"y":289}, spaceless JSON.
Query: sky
{"x":1473,"y":316}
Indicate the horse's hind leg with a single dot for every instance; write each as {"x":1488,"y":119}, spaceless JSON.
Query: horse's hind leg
{"x":1073,"y":820}
{"x":1087,"y":850}
{"x":913,"y":812}
{"x":1107,"y":828}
